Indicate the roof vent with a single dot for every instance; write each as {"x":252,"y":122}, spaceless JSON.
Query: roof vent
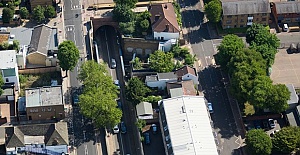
{"x":183,"y":109}
{"x":166,"y":6}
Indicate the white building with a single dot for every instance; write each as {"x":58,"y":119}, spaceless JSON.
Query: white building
{"x":9,"y":68}
{"x":185,"y":125}
{"x":164,"y":22}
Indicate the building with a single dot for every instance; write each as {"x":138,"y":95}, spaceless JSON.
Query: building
{"x":34,"y":3}
{"x":43,"y":46}
{"x":185,"y":126}
{"x":242,"y":13}
{"x":164,"y":22}
{"x":286,"y":12}
{"x":8,"y":107}
{"x":179,"y":88}
{"x":144,"y":110}
{"x":9,"y":68}
{"x":44,"y":103}
{"x":50,"y":139}
{"x":293,"y":112}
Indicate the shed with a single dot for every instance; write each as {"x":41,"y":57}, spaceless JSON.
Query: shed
{"x":144,"y":110}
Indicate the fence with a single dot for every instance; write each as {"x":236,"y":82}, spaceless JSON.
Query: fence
{"x":39,"y":70}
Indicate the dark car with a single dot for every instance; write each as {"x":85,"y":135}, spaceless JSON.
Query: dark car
{"x":271,"y":123}
{"x":147,"y":138}
{"x":123,"y":128}
{"x":257,"y":124}
{"x":75,"y":98}
{"x":154,"y":128}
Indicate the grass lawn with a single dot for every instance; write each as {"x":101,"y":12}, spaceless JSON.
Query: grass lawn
{"x":231,"y":30}
{"x":37,"y":80}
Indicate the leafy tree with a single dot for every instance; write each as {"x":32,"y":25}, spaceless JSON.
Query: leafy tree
{"x":253,"y":31}
{"x":49,"y":11}
{"x":286,"y":140}
{"x":213,"y":11}
{"x":98,"y":99}
{"x":161,"y":61}
{"x":4,"y":45}
{"x":136,"y":63}
{"x":144,"y":24}
{"x":227,"y":49}
{"x":143,"y":15}
{"x":130,"y":3}
{"x":14,"y":46}
{"x":68,"y":55}
{"x":136,"y":90}
{"x":24,"y":13}
{"x":277,"y":98}
{"x":38,"y":14}
{"x":266,"y":38}
{"x":127,"y":27}
{"x":7,"y":15}
{"x":1,"y":84}
{"x":140,"y":123}
{"x":152,"y":99}
{"x":260,"y":92}
{"x":268,"y":53}
{"x":258,"y":142}
{"x":123,"y":13}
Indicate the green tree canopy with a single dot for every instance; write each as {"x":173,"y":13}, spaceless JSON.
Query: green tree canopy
{"x":130,"y":3}
{"x":144,"y":24}
{"x":278,"y":97}
{"x":24,"y":13}
{"x":97,"y":101}
{"x":123,"y":13}
{"x":68,"y":55}
{"x":38,"y":14}
{"x":260,"y":92}
{"x":127,"y":27}
{"x":258,"y":142}
{"x":136,"y":63}
{"x":140,"y":123}
{"x":286,"y":140}
{"x":7,"y":15}
{"x":49,"y":11}
{"x":136,"y":91}
{"x":227,"y":49}
{"x":253,"y":31}
{"x":152,"y":99}
{"x":213,"y":11}
{"x":161,"y":61}
{"x":267,"y":52}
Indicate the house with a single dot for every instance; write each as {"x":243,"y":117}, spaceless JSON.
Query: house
{"x":45,"y":103}
{"x":185,"y":126}
{"x":293,"y":112}
{"x":43,"y":46}
{"x":35,"y":3}
{"x":286,"y":12}
{"x":144,"y":110}
{"x":163,"y":22}
{"x":182,"y":74}
{"x":179,"y":88}
{"x":9,"y":69}
{"x":242,"y":13}
{"x":50,"y":139}
{"x":8,"y":107}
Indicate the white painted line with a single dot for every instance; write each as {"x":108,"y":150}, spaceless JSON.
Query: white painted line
{"x":86,"y":151}
{"x":108,"y":53}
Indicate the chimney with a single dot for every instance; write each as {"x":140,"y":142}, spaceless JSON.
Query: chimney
{"x":166,"y":6}
{"x":167,"y":27}
{"x":179,"y":78}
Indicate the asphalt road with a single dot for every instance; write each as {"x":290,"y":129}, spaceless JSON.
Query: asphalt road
{"x":106,"y":38}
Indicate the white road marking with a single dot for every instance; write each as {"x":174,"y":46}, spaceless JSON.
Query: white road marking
{"x":86,"y":150}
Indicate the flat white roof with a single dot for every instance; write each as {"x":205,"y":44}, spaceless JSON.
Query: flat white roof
{"x":7,"y":59}
{"x":189,"y":129}
{"x":43,"y":96}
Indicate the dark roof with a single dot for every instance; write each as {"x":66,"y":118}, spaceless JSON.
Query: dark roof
{"x":287,"y":7}
{"x":44,"y":38}
{"x":242,"y":7}
{"x":185,"y":70}
{"x":163,"y":18}
{"x":55,"y":134}
{"x":169,"y":75}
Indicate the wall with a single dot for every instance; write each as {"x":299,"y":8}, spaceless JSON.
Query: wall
{"x":241,"y":20}
{"x":98,"y":22}
{"x":36,"y":59}
{"x":161,"y":84}
{"x":191,"y":77}
{"x":46,"y":112}
{"x":39,"y":70}
{"x":166,"y":35}
{"x":58,"y":148}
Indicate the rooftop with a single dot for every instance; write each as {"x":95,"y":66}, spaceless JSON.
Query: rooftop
{"x":185,"y":70}
{"x":8,"y":59}
{"x":169,"y":75}
{"x":186,"y":87}
{"x":189,"y":125}
{"x":294,"y":97}
{"x":151,"y":78}
{"x":287,"y":7}
{"x":244,"y":7}
{"x":44,"y":96}
{"x":23,"y":35}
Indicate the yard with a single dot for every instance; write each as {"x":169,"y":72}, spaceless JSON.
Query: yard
{"x":37,"y":80}
{"x":222,"y":31}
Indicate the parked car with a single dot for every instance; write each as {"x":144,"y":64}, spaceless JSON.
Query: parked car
{"x":285,"y":28}
{"x":113,"y":63}
{"x":147,"y":138}
{"x":257,"y":124}
{"x":123,"y":128}
{"x":117,"y":83}
{"x":116,"y":129}
{"x":265,"y":125}
{"x":293,"y":48}
{"x":210,"y":108}
{"x":119,"y":104}
{"x":154,"y":128}
{"x":272,"y":123}
{"x":75,"y":98}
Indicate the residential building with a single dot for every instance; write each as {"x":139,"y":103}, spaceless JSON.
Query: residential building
{"x":164,"y":22}
{"x":9,"y":68}
{"x":186,"y":126}
{"x":293,"y":112}
{"x":144,"y":110}
{"x":35,"y":3}
{"x":43,"y":46}
{"x":286,"y":11}
{"x":242,"y":13}
{"x":50,"y":139}
{"x":160,"y":79}
{"x":8,"y":107}
{"x":179,"y":88}
{"x":45,"y":103}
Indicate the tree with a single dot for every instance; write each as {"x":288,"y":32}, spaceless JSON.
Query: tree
{"x":68,"y":55}
{"x":253,"y":31}
{"x":260,"y":92}
{"x":123,"y":13}
{"x":127,"y":27}
{"x":189,"y":59}
{"x":14,"y":46}
{"x":1,"y":84}
{"x":140,"y":123}
{"x":286,"y":140}
{"x":136,"y":63}
{"x":38,"y":14}
{"x":277,"y":98}
{"x":144,"y":24}
{"x":4,"y":45}
{"x":97,"y":101}
{"x":268,"y":53}
{"x":152,"y":99}
{"x":213,"y":11}
{"x":24,"y":13}
{"x":7,"y":15}
{"x":130,"y":3}
{"x":161,"y":61}
{"x":258,"y":142}
{"x":227,"y":49}
{"x":136,"y":91}
{"x":49,"y":11}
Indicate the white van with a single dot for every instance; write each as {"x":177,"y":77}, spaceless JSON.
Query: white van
{"x":285,"y":28}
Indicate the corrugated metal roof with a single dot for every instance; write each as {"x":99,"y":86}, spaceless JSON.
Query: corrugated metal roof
{"x":244,"y":7}
{"x":287,"y":7}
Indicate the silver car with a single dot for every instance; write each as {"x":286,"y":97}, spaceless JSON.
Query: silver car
{"x":113,"y":63}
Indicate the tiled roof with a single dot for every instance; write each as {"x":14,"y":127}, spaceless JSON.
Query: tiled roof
{"x":287,"y":7}
{"x":244,"y":7}
{"x":185,"y":70}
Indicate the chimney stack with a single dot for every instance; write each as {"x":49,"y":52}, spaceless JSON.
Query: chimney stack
{"x":179,"y":78}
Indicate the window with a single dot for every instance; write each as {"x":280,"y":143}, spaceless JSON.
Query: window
{"x":9,"y":72}
{"x":264,"y":14}
{"x":229,"y":16}
{"x":287,"y":19}
{"x":241,"y":25}
{"x":242,"y":20}
{"x":49,"y":109}
{"x":228,"y":22}
{"x":264,"y":19}
{"x":43,"y":109}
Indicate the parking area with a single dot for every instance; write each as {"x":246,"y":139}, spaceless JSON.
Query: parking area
{"x":156,"y":145}
{"x":286,"y":68}
{"x":271,"y":126}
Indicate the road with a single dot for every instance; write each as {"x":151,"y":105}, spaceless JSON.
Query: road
{"x":106,"y":38}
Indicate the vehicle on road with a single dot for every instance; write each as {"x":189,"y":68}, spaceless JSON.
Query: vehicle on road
{"x":119,"y":104}
{"x":285,"y":28}
{"x":113,"y":63}
{"x":75,"y":98}
{"x":210,"y":108}
{"x":257,"y":124}
{"x":76,"y":15}
{"x":123,"y":128}
{"x":271,"y":123}
{"x":154,"y":128}
{"x":117,"y":83}
{"x":116,"y":129}
{"x":147,"y":138}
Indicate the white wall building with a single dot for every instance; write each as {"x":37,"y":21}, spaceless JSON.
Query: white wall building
{"x":9,"y":68}
{"x":185,"y":125}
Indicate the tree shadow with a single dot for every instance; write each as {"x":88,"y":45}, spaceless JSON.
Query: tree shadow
{"x":189,"y":17}
{"x":184,"y":3}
